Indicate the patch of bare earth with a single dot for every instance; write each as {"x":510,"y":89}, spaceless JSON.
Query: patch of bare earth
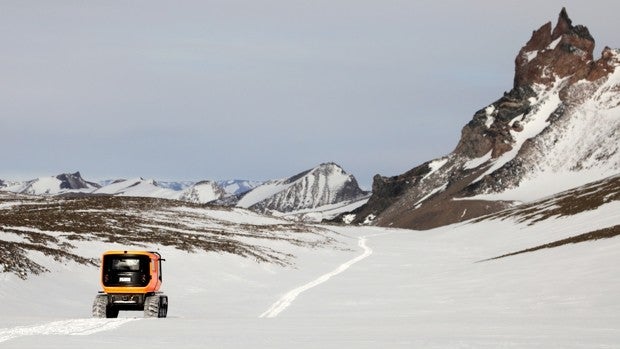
{"x":586,"y":198}
{"x":52,"y":225}
{"x":568,"y":203}
{"x":591,"y":236}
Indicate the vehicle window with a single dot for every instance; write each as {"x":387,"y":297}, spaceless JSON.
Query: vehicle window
{"x":126,"y":263}
{"x":129,"y":264}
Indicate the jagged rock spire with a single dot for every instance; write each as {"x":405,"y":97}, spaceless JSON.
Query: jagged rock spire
{"x":548,"y":123}
{"x":564,"y":51}
{"x":564,"y":25}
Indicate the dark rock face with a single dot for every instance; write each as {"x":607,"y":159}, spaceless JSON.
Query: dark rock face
{"x":479,"y":138}
{"x":350,"y":191}
{"x":387,"y":190}
{"x":75,"y":181}
{"x":565,"y":51}
{"x":545,"y":92}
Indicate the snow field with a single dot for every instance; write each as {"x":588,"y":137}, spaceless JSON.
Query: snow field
{"x":76,"y":327}
{"x":417,"y":289}
{"x":288,"y":298}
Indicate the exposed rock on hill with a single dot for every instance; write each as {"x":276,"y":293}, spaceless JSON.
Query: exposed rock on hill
{"x":63,"y":183}
{"x":558,"y":128}
{"x":75,"y":181}
{"x":203,"y":192}
{"x":564,"y":52}
{"x":38,"y":229}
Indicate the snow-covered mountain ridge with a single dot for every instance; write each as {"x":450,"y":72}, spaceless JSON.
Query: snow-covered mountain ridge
{"x":558,"y":128}
{"x":238,"y":186}
{"x":321,"y":192}
{"x":325,"y":185}
{"x":51,"y":185}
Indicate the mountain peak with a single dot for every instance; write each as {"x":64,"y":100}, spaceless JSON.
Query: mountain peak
{"x":555,"y":130}
{"x":549,"y":54}
{"x":325,"y":184}
{"x":331,"y":167}
{"x":74,"y":181}
{"x":564,"y":25}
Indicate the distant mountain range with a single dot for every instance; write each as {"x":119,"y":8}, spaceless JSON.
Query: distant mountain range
{"x":238,"y":186}
{"x":315,"y":194}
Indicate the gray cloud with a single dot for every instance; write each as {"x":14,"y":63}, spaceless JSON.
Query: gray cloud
{"x":255,"y":89}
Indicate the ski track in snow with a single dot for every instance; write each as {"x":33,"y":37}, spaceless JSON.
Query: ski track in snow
{"x":73,"y":327}
{"x":289,"y":297}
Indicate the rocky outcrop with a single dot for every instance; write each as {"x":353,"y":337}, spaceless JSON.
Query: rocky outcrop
{"x":564,"y":52}
{"x":70,"y":181}
{"x":61,"y":184}
{"x":562,"y":114}
{"x":490,"y":129}
{"x":202,"y":192}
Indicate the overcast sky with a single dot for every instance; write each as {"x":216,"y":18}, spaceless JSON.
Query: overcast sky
{"x":253,"y":89}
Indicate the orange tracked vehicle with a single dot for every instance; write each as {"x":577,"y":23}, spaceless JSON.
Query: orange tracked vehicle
{"x":130,"y":281}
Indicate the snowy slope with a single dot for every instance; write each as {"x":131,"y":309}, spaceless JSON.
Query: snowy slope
{"x":263,"y":192}
{"x":326,"y":212}
{"x":532,"y":124}
{"x":388,"y":288}
{"x":38,"y":186}
{"x":53,"y":185}
{"x":6,"y":183}
{"x":582,"y":146}
{"x":202,"y":192}
{"x":238,"y":186}
{"x":137,"y":187}
{"x":175,"y":185}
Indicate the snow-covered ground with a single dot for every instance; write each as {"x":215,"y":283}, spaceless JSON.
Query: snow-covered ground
{"x":374,"y":287}
{"x":318,"y":214}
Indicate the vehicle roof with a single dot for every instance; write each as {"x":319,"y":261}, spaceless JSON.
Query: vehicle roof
{"x":151,"y":254}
